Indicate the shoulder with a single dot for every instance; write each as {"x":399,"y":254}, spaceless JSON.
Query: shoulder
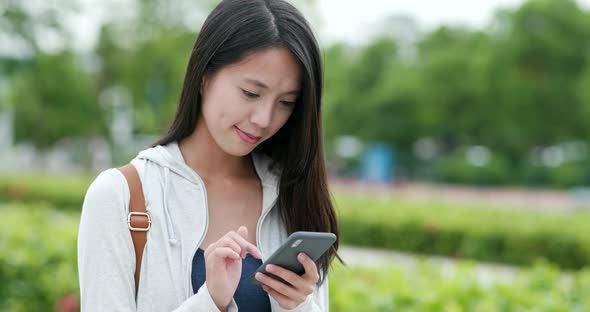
{"x":107,"y":181}
{"x":108,"y":188}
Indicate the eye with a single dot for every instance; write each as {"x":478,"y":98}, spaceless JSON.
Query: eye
{"x":288,"y":104}
{"x":250,"y":94}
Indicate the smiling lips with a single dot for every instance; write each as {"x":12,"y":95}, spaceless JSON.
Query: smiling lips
{"x":250,"y":139}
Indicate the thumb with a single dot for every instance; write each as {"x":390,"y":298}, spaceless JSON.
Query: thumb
{"x":243,"y":231}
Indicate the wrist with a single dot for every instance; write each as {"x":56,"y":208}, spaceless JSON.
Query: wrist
{"x":221,"y":305}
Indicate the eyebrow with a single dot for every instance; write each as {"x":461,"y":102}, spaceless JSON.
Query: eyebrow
{"x":262,"y":85}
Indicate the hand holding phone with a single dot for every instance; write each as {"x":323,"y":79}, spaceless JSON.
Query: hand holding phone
{"x":313,"y":244}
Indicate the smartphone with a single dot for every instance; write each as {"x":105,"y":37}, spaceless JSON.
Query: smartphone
{"x":313,"y":244}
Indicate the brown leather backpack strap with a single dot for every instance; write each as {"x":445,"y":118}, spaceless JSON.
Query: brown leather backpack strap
{"x":138,"y":220}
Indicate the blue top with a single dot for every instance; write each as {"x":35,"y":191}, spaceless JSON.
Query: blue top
{"x":248,"y":296}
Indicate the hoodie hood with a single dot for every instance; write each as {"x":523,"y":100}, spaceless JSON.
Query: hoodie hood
{"x":170,"y":159}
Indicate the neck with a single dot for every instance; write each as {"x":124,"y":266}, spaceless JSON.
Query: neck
{"x":204,"y":156}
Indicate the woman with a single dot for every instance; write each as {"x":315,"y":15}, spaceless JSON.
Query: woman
{"x":241,"y":168}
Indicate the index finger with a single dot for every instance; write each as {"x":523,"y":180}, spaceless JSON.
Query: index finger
{"x":246,"y":245}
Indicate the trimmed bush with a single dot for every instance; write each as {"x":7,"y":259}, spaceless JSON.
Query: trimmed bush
{"x":430,"y":228}
{"x":38,"y":272}
{"x":38,"y":265}
{"x":60,"y":192}
{"x":478,"y":233}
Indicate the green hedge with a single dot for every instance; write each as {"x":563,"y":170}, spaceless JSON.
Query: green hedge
{"x":37,"y":257}
{"x":483,"y":234}
{"x":477,"y":233}
{"x":61,"y":192}
{"x":38,"y":272}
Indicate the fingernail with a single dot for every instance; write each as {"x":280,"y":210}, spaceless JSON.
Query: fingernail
{"x":269,"y":267}
{"x":301,"y":256}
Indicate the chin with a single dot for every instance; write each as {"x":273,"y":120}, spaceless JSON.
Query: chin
{"x":238,"y":150}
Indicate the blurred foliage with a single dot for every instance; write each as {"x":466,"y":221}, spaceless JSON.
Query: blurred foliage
{"x":26,"y":23}
{"x":37,"y":257}
{"x":565,"y":175}
{"x":38,"y":272}
{"x":518,"y":86}
{"x":63,"y":193}
{"x":454,"y":168}
{"x":428,"y":288}
{"x":60,"y":101}
{"x":488,"y":234}
{"x":152,"y":71}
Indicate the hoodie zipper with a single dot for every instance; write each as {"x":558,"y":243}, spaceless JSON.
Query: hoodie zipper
{"x":190,"y":263}
{"x":259,"y":224}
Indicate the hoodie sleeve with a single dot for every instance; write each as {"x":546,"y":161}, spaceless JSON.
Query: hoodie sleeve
{"x":203,"y":302}
{"x":106,"y":257}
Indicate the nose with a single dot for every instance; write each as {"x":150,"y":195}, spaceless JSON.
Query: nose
{"x":262,"y":114}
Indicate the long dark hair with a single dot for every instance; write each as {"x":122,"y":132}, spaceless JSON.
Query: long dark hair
{"x":233,"y":30}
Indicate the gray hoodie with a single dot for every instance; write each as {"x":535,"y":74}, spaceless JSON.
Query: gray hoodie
{"x":176,"y":199}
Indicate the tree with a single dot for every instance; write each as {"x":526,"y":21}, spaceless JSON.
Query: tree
{"x":539,"y":58}
{"x":452,"y":65}
{"x":54,"y":99}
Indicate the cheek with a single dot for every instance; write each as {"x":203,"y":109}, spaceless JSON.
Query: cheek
{"x":223,"y":111}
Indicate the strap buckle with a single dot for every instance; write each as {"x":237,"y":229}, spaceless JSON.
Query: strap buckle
{"x":139,"y":229}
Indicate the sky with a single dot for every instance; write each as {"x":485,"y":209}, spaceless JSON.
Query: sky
{"x":351,"y":21}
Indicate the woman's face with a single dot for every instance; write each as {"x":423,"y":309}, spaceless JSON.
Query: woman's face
{"x":246,"y":103}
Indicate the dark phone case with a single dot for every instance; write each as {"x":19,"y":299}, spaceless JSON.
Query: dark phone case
{"x":313,"y":244}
